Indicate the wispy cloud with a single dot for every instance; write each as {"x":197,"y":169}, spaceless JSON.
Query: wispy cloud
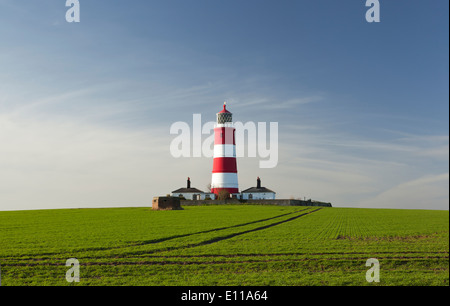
{"x":69,"y":163}
{"x":427,"y":192}
{"x":267,"y":103}
{"x":349,"y":170}
{"x":293,"y":103}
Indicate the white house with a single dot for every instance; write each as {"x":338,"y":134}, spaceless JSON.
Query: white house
{"x":258,"y":192}
{"x":192,"y":193}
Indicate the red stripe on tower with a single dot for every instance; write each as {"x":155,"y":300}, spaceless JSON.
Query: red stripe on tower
{"x":224,"y":165}
{"x":224,"y":135}
{"x":224,"y":174}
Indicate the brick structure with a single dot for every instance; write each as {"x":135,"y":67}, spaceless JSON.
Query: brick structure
{"x":166,"y":203}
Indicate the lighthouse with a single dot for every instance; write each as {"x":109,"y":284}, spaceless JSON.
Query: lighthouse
{"x":224,"y":173}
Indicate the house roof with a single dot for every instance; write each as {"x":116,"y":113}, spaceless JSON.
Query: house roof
{"x":257,"y":190}
{"x":187,"y":190}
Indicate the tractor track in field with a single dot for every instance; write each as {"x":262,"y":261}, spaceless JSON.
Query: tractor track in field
{"x":211,"y":230}
{"x":271,"y":259}
{"x":298,"y":254}
{"x":217,"y":239}
{"x":306,"y":211}
{"x":146,"y":257}
{"x":226,"y":237}
{"x":426,"y":254}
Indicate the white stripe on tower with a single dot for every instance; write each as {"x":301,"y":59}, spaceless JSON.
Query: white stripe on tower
{"x":224,"y":150}
{"x":228,"y":180}
{"x":224,"y":175}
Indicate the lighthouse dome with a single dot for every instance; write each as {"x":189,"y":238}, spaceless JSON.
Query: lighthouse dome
{"x":224,"y":116}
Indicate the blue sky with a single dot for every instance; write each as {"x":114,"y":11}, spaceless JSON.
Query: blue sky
{"x":86,"y":108}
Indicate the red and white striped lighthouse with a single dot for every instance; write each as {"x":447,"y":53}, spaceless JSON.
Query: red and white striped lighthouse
{"x":224,"y":174}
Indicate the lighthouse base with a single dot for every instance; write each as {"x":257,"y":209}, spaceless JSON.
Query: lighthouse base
{"x":230,"y":190}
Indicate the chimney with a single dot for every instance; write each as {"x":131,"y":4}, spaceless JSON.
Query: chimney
{"x":189,"y":182}
{"x":258,"y":183}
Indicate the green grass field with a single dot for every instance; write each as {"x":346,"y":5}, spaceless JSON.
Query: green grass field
{"x":225,"y":245}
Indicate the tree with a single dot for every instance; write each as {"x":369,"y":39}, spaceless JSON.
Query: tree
{"x":223,"y":195}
